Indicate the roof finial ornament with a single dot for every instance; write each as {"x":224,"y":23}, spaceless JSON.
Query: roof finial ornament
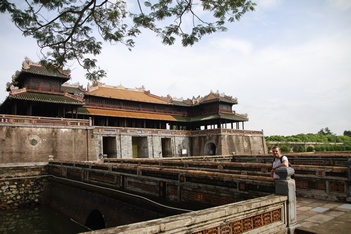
{"x":26,"y":63}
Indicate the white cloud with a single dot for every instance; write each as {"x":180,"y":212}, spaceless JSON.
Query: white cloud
{"x":225,"y":43}
{"x":340,"y":4}
{"x":268,"y":4}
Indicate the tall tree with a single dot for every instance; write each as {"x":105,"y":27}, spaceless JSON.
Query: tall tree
{"x":347,"y":133}
{"x":325,"y":131}
{"x":64,"y":29}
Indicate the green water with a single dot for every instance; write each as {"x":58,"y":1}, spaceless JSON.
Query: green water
{"x":40,"y":219}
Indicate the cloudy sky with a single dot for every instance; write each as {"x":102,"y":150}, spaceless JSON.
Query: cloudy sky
{"x":288,"y":63}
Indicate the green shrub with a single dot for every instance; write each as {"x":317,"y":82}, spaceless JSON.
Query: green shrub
{"x":296,"y":149}
{"x":310,"y":149}
{"x":302,"y":149}
{"x":285,"y":148}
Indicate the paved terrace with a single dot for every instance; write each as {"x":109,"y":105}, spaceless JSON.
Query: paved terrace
{"x":323,"y":217}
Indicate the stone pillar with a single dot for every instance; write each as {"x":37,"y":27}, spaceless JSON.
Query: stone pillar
{"x":286,"y":186}
{"x":348,"y":199}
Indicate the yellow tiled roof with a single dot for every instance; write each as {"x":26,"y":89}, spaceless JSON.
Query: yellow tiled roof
{"x":126,"y":94}
{"x":128,"y":114}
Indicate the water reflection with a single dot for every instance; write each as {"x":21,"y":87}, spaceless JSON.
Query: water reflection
{"x":40,"y":219}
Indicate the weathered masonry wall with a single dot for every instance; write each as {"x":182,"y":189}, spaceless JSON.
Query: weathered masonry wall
{"x":228,"y":142}
{"x":21,"y":143}
{"x":34,"y":139}
{"x":169,"y":143}
{"x":140,"y":143}
{"x":21,"y":185}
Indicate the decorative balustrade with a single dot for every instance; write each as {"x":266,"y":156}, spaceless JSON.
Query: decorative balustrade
{"x":260,"y":215}
{"x":255,"y":212}
{"x":314,"y":181}
{"x":175,"y":184}
{"x":36,"y":120}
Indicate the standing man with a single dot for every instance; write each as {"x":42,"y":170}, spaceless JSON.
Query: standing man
{"x":279,"y":161}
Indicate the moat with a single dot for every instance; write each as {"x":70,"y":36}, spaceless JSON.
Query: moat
{"x":37,"y":219}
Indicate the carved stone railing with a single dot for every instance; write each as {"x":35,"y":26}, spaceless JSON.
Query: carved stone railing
{"x":322,"y":182}
{"x":36,"y":120}
{"x":260,"y":215}
{"x":268,"y":214}
{"x":195,"y":187}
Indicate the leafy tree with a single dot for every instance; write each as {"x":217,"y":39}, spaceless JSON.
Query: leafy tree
{"x":64,"y":29}
{"x":328,"y":141}
{"x":293,"y":139}
{"x":347,"y":133}
{"x":325,"y":131}
{"x":276,"y":138}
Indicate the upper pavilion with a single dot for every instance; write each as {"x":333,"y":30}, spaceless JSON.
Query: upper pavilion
{"x":39,"y":91}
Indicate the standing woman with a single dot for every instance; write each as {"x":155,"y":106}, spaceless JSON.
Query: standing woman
{"x":279,"y":161}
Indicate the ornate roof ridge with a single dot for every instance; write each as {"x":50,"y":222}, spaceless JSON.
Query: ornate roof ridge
{"x":28,"y":63}
{"x":76,"y":85}
{"x":209,"y":97}
{"x":97,"y":84}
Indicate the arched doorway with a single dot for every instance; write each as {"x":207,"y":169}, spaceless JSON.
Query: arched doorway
{"x":210,"y":149}
{"x":95,"y":220}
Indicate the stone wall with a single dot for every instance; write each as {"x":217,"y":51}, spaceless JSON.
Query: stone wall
{"x":149,"y":144}
{"x":35,"y":143}
{"x":228,"y":142}
{"x":21,"y":185}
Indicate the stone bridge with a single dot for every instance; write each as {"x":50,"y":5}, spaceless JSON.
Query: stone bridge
{"x":82,"y":190}
{"x":185,"y":195}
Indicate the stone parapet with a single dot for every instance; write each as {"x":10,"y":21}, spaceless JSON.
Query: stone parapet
{"x":286,"y":186}
{"x":193,"y":187}
{"x":260,"y":215}
{"x":321,"y":182}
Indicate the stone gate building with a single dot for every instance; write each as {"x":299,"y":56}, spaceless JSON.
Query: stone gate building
{"x":117,"y":122}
